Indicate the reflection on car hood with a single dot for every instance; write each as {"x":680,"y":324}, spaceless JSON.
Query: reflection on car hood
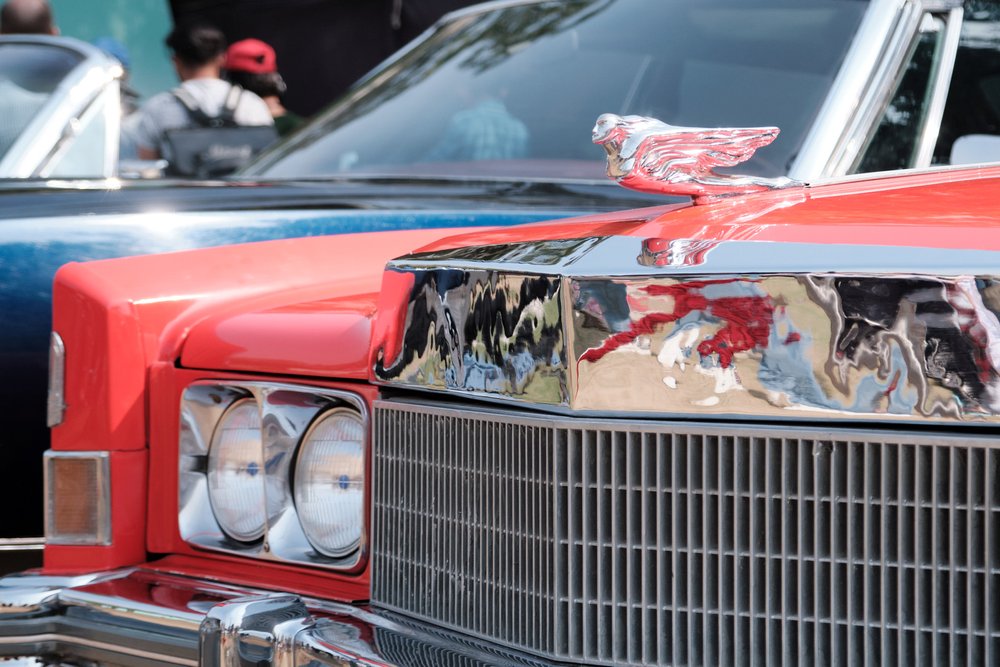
{"x":39,"y":198}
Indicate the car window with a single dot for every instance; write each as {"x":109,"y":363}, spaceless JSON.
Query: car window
{"x":83,"y":151}
{"x":516,"y":91}
{"x":29,"y":73}
{"x":894,"y":143}
{"x":972,"y":112}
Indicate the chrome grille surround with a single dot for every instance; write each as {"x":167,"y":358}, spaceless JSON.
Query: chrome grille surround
{"x":673,"y":327}
{"x":655,"y":543}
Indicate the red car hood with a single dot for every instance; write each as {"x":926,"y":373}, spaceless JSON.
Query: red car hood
{"x":330,"y":337}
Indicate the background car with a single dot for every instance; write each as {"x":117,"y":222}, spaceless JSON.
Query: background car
{"x":854,"y":85}
{"x":756,"y":429}
{"x":61,"y":105}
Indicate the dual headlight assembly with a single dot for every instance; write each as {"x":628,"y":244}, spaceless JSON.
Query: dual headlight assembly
{"x":274,"y":471}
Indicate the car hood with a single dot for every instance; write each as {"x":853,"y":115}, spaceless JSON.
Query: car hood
{"x":797,"y":304}
{"x":758,"y":307}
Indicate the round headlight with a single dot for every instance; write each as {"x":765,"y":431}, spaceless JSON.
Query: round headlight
{"x":329,"y":482}
{"x":236,"y":472}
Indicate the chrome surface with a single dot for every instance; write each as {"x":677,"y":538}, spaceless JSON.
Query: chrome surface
{"x":861,"y":91}
{"x":242,"y":630}
{"x":37,"y":148}
{"x":56,"y":404}
{"x":32,"y":593}
{"x":734,"y":329}
{"x":102,"y":522}
{"x":648,"y":155}
{"x":286,"y":414}
{"x":654,"y":543}
{"x":941,"y":84}
{"x":22,"y":543}
{"x":137,"y":616}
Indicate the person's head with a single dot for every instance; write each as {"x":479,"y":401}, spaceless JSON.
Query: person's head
{"x":27,"y":17}
{"x":253,"y":65}
{"x":198,"y":50}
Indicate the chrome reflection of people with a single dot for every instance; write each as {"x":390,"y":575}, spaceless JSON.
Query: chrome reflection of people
{"x":485,"y":130}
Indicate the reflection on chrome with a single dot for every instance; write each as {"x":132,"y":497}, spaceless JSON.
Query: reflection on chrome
{"x":848,"y":345}
{"x":649,"y":155}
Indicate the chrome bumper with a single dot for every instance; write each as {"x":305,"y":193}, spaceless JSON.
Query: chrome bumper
{"x":142,"y":617}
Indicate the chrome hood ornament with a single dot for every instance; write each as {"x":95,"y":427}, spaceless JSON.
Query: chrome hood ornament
{"x":649,"y":155}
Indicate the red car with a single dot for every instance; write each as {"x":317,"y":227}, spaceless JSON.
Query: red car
{"x":755,"y":429}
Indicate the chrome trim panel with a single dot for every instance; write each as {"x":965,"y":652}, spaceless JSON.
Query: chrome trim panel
{"x":139,"y":617}
{"x":287,"y":411}
{"x":685,"y":334}
{"x":939,"y":87}
{"x":22,"y":543}
{"x":654,"y":543}
{"x":245,"y":630}
{"x":33,"y":593}
{"x":56,"y":403}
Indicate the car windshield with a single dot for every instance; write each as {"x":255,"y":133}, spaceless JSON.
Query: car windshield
{"x":29,"y":74}
{"x":515,"y":91}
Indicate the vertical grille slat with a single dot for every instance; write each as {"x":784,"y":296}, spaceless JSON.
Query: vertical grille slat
{"x":618,"y":542}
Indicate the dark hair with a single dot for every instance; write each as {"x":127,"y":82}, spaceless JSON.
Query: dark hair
{"x":264,"y":85}
{"x":33,"y":17}
{"x":196,"y":43}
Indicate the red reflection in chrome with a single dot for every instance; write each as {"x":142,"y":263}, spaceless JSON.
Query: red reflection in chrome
{"x":748,"y":321}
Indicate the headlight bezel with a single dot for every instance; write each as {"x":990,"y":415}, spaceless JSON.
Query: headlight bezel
{"x":287,"y":411}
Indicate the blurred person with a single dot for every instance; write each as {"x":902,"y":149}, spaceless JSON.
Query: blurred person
{"x":483,"y":130}
{"x":27,"y":17}
{"x":198,"y":54}
{"x":253,"y":64}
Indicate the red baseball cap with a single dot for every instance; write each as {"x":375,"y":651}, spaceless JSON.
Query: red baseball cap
{"x":251,"y":55}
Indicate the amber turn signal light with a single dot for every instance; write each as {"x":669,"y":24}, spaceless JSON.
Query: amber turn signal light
{"x":77,"y":498}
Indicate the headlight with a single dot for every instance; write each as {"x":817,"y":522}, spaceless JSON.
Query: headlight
{"x":329,"y":482}
{"x":236,"y":472}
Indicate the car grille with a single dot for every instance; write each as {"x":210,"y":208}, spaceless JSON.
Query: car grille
{"x":627,"y":542}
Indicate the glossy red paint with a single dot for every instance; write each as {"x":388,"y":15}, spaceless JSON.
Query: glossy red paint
{"x":118,"y":317}
{"x":956,"y":209}
{"x":328,"y":338}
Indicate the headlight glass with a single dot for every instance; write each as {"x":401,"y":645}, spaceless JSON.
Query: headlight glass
{"x":329,"y":482}
{"x":236,"y":472}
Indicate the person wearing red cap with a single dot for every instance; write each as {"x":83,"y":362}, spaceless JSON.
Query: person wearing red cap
{"x":198,"y":54}
{"x":253,"y":65}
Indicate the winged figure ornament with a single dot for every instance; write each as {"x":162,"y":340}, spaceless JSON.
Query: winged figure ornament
{"x":649,"y":155}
